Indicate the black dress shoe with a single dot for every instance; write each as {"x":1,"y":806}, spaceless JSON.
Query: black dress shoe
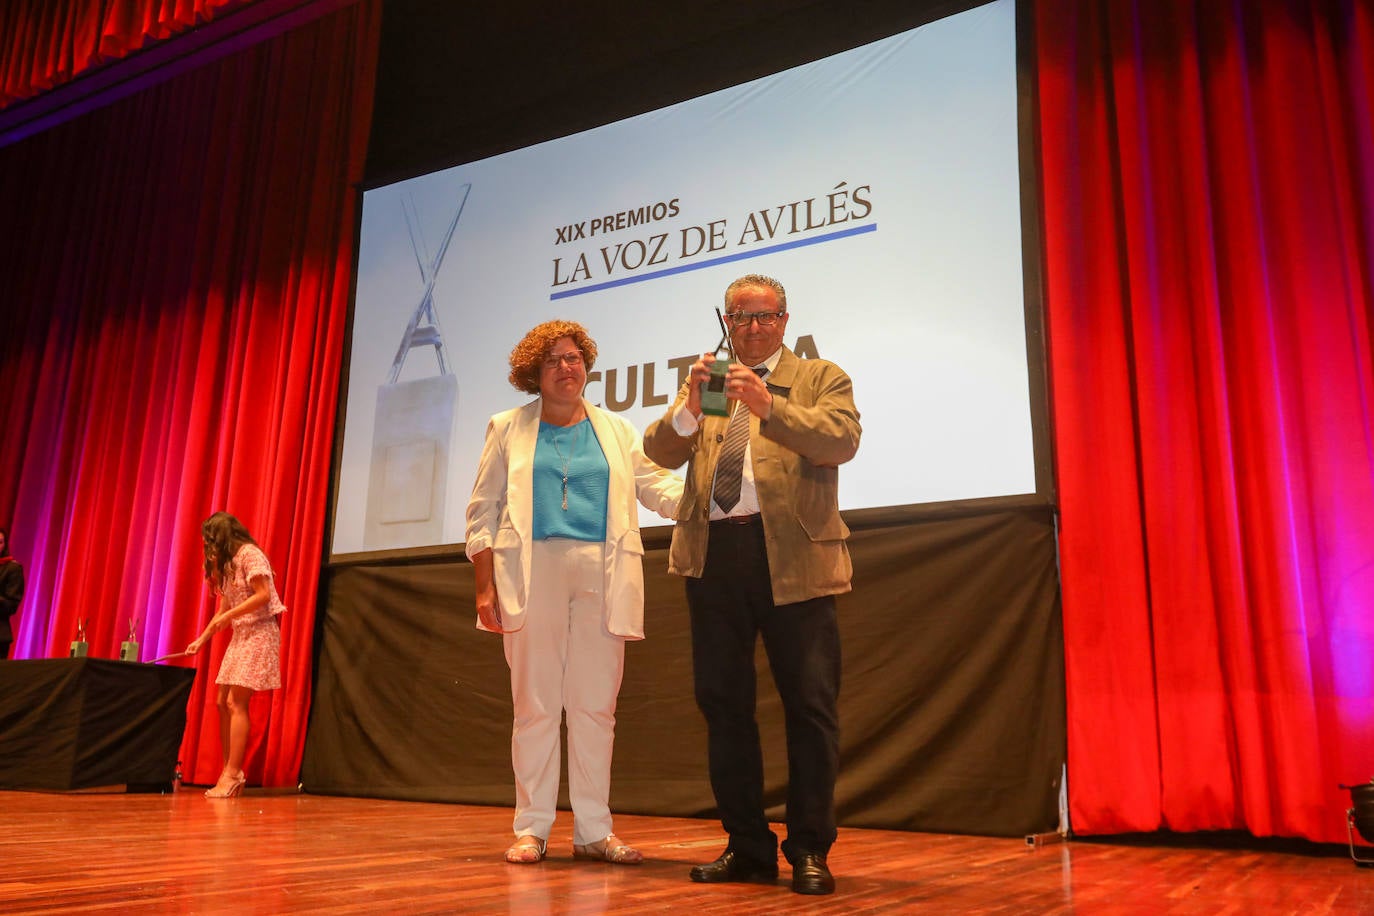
{"x":810,"y":875}
{"x":731,"y":866}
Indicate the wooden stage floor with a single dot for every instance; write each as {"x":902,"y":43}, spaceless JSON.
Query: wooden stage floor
{"x":291,"y":853}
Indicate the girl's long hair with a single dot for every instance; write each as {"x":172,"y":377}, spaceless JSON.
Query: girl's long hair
{"x":223,"y":536}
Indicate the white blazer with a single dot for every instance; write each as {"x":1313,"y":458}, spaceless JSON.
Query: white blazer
{"x":501,"y":512}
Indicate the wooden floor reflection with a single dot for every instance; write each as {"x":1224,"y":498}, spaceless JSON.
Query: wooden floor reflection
{"x":290,"y":853}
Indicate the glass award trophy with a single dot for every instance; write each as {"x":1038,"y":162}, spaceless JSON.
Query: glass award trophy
{"x":79,"y":645}
{"x":713,"y":398}
{"x":128,"y":649}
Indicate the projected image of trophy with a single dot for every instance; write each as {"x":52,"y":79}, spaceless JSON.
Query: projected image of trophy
{"x":413,"y":425}
{"x":713,"y":398}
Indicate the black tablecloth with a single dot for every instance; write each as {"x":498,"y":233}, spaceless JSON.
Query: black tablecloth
{"x":77,"y":723}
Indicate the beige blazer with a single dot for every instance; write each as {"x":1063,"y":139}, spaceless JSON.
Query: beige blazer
{"x":501,"y":512}
{"x":813,"y":428}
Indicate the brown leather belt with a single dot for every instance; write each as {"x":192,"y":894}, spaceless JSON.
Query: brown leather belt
{"x":737,"y":520}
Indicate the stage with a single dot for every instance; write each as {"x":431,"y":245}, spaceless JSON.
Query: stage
{"x":297,"y":853}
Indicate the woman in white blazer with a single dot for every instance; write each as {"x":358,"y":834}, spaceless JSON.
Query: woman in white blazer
{"x":553,"y":535}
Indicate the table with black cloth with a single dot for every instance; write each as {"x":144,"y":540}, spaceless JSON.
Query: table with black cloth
{"x":81,"y":723}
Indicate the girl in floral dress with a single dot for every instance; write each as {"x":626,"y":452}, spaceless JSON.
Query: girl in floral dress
{"x":239,"y":572}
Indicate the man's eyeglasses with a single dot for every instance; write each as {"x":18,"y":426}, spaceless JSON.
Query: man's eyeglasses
{"x":742,"y":319}
{"x":572,"y":359}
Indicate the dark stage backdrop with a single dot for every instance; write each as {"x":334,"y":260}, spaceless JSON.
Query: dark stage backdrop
{"x":455,"y":85}
{"x":952,"y":706}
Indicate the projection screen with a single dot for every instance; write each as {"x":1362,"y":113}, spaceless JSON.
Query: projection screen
{"x":880,"y":185}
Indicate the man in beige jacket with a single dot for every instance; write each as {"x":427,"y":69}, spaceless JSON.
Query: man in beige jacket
{"x":761,"y":543}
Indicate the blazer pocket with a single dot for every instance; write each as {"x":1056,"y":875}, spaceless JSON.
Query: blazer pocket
{"x":632,"y":543}
{"x":828,"y":526}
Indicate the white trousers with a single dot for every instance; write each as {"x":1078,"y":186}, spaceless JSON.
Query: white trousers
{"x":564,"y":659}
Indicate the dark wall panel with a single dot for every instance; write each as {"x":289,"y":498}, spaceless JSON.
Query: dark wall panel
{"x":952,"y":709}
{"x":458,"y":82}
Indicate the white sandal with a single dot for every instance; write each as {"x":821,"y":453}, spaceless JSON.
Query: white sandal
{"x":611,"y":849}
{"x":527,"y":850}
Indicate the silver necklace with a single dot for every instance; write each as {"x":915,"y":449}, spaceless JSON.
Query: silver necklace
{"x":566,"y":461}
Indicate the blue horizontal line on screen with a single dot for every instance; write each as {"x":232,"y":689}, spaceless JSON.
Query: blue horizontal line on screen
{"x":723,"y":259}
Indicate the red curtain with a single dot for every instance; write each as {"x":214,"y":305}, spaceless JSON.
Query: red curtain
{"x":1208,"y":188}
{"x":45,"y":43}
{"x":175,"y":276}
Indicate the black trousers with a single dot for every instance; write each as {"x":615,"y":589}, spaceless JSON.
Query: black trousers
{"x":731,"y":606}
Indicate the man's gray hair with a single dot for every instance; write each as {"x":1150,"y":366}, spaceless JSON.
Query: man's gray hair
{"x":757,"y":280}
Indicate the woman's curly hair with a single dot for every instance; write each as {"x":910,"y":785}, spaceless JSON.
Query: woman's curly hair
{"x":223,"y":535}
{"x":527,"y":359}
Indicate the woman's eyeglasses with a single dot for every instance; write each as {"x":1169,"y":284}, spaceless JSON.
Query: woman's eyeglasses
{"x":572,"y":359}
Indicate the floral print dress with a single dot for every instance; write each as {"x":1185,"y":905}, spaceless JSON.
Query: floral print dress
{"x":253,"y":658}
